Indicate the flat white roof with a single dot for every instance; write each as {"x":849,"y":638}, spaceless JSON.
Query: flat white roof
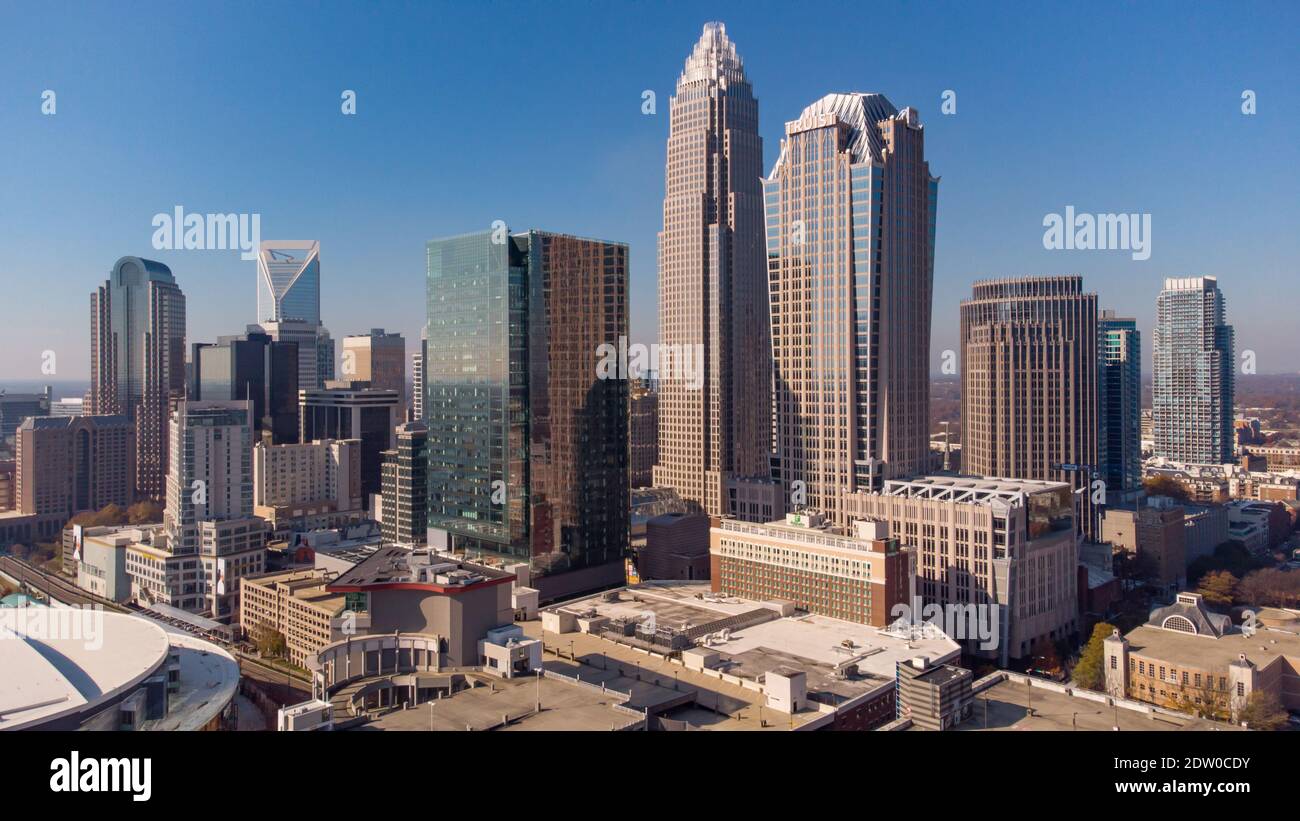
{"x":63,"y":660}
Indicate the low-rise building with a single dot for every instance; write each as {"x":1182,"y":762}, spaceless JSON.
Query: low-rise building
{"x":297,"y":605}
{"x":1188,"y":658}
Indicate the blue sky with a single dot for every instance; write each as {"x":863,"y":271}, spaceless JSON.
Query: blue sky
{"x":530,"y":112}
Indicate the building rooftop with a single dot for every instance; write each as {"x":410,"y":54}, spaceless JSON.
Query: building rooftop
{"x":59,"y":661}
{"x":1207,"y":652}
{"x":1005,"y":706}
{"x":972,"y":490}
{"x":399,"y":567}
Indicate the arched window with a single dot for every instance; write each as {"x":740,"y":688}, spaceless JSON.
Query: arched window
{"x":1180,"y":623}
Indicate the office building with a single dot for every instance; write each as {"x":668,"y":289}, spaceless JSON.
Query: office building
{"x":1119,"y":393}
{"x":405,"y":486}
{"x":528,"y":455}
{"x":67,"y":407}
{"x":1029,"y":384}
{"x":859,"y":577}
{"x":295,"y":604}
{"x":68,"y":465}
{"x":288,"y":281}
{"x":377,"y":357}
{"x":851,"y":208}
{"x":1156,"y":530}
{"x":212,"y":536}
{"x":315,"y":349}
{"x":417,"y":376}
{"x":1007,"y":544}
{"x":1193,"y":385}
{"x":643,"y":434}
{"x":352,"y":410}
{"x":137,"y":360}
{"x":714,"y":398}
{"x":934,"y":696}
{"x":255,"y":367}
{"x":307,"y":486}
{"x":15,"y":407}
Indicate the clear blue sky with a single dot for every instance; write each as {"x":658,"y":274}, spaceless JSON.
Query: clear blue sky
{"x":530,"y":112}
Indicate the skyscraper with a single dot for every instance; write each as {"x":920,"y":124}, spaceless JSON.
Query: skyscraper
{"x":528,"y":453}
{"x":288,"y":281}
{"x":851,"y":209}
{"x":15,"y":407}
{"x":1029,"y":383}
{"x":315,"y":349}
{"x":1119,"y":390}
{"x":715,"y":422}
{"x":352,"y":410}
{"x":137,"y":359}
{"x":417,"y":376}
{"x":73,"y":464}
{"x":255,"y":367}
{"x":1194,"y":386}
{"x":405,"y":483}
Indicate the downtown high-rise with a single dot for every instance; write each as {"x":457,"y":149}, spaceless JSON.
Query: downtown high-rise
{"x":1119,"y":394}
{"x":527,"y":441}
{"x":1193,"y":387}
{"x":137,"y":359}
{"x":851,"y":208}
{"x":1029,"y":366}
{"x":288,"y":305}
{"x":715,"y":414}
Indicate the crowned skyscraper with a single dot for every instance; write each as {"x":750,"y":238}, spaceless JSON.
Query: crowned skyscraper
{"x":288,"y":305}
{"x":851,"y":212}
{"x":714,"y":421}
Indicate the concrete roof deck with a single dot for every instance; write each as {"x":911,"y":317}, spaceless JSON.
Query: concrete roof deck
{"x":673,"y":605}
{"x":1007,"y":709}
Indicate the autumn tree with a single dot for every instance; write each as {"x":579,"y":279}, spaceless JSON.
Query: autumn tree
{"x":1218,"y":588}
{"x":1089,"y":673}
{"x":1166,"y":486}
{"x":144,"y":513}
{"x":1263,"y":711}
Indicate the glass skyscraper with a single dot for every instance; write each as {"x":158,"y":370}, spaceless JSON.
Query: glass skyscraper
{"x":527,"y":445}
{"x":1193,"y":390}
{"x":1119,"y":391}
{"x":288,"y":281}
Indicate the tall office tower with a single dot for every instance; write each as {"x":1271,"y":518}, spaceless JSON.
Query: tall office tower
{"x":137,"y":359}
{"x":69,"y":465}
{"x":352,"y":410}
{"x":850,"y":247}
{"x":1029,"y":384}
{"x":405,"y":480}
{"x":377,"y":357}
{"x":209,"y":513}
{"x":527,"y":444}
{"x":643,"y":434}
{"x":315,"y":349}
{"x":715,"y":415}
{"x":417,"y":376}
{"x":288,"y":281}
{"x":1119,"y":391}
{"x":251,"y":366}
{"x":1194,"y":387}
{"x":15,"y":407}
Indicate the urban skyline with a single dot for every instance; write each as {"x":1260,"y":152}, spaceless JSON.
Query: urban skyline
{"x":620,"y":162}
{"x":754,"y":517}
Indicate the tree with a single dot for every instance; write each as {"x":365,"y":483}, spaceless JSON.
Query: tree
{"x":108,"y":516}
{"x":143,"y":513}
{"x":1218,"y":588}
{"x":1203,"y":701}
{"x":1166,"y":486}
{"x":1090,"y":673}
{"x":1263,"y":711}
{"x":269,"y":641}
{"x":1269,"y":587}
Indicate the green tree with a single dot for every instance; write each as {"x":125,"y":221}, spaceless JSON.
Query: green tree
{"x":1089,"y":673}
{"x":1263,"y":711}
{"x":1218,"y":588}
